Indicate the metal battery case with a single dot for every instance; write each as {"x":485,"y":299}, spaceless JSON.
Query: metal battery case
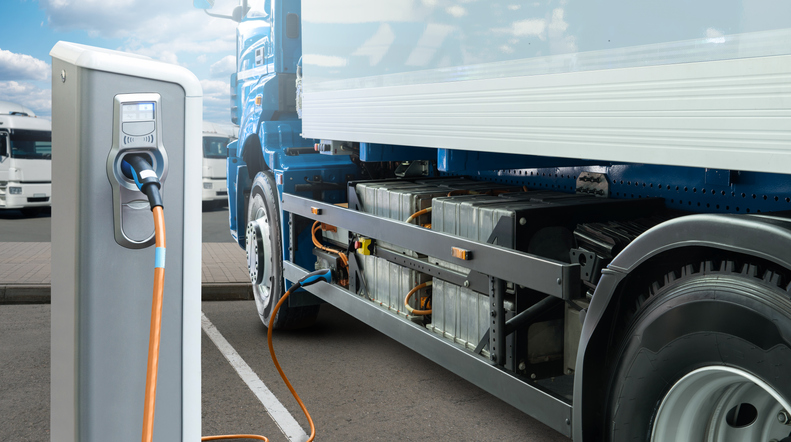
{"x":388,"y":283}
{"x":540,"y":223}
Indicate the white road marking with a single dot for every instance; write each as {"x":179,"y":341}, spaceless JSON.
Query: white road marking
{"x":283,"y":419}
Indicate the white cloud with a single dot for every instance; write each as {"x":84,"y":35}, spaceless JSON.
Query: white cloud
{"x":715,"y":35}
{"x":532,"y":26}
{"x":456,"y":11}
{"x":559,"y":42}
{"x":558,"y":24}
{"x":514,"y":7}
{"x":216,"y":100}
{"x":224,"y":67}
{"x":28,"y":95}
{"x":365,"y":11}
{"x":148,"y":27}
{"x":214,"y":87}
{"x":167,"y":30}
{"x":22,"y":67}
{"x":323,"y":60}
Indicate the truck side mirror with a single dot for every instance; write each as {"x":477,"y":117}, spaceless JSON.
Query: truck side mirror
{"x":237,"y":14}
{"x":203,"y":4}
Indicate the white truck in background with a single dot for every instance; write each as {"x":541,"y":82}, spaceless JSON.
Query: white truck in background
{"x":215,"y":150}
{"x":25,"y":159}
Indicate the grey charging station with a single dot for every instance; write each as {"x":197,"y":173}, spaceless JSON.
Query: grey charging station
{"x":105,"y":105}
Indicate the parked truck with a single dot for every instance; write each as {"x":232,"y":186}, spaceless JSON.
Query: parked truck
{"x":215,"y":151}
{"x":25,"y":159}
{"x":580,"y":207}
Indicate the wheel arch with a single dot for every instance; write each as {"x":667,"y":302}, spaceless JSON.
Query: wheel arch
{"x":666,"y":246}
{"x":253,"y":156}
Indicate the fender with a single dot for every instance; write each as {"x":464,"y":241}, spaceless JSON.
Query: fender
{"x":764,"y":236}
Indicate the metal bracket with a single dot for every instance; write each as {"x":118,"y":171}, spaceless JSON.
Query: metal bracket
{"x":554,"y":278}
{"x":497,"y":344}
{"x":356,"y":276}
{"x":591,"y":183}
{"x":412,"y":169}
{"x":472,"y":280}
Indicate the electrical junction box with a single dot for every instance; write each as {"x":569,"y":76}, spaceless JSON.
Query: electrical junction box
{"x":105,"y":105}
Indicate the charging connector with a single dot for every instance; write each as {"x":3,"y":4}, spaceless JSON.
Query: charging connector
{"x":137,"y":168}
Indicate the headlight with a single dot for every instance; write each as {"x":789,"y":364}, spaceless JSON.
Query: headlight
{"x":207,"y":185}
{"x":15,"y":190}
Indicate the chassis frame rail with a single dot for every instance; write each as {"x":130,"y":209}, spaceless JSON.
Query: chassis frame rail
{"x":554,"y":278}
{"x":544,"y":406}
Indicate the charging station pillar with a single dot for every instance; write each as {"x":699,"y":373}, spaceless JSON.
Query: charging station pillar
{"x":106,"y":104}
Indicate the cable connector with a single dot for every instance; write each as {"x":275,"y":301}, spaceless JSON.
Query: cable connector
{"x":314,"y":277}
{"x":136,"y":167}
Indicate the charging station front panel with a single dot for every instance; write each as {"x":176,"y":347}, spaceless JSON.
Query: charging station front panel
{"x":137,"y":129}
{"x":103,"y":261}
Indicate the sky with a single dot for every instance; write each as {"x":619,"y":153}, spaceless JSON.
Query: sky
{"x":168,"y":30}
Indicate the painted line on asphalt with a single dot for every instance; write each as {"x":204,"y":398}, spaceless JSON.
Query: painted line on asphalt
{"x":283,"y":419}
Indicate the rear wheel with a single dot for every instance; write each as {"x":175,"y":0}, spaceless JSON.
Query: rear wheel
{"x":265,"y":257}
{"x":707,"y":357}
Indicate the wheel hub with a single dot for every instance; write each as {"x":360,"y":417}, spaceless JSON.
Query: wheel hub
{"x":721,"y":404}
{"x":258,"y":245}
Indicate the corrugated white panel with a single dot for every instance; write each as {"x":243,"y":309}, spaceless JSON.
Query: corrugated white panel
{"x":732,"y":114}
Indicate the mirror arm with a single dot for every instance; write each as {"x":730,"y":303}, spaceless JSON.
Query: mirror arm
{"x":217,"y":15}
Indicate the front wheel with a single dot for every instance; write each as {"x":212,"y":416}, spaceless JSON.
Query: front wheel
{"x":707,"y":357}
{"x":264,"y":247}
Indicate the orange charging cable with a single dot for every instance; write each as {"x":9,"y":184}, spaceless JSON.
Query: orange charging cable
{"x":271,"y":325}
{"x":156,"y":331}
{"x":156,"y":326}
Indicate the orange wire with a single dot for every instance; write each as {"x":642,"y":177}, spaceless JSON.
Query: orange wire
{"x":155,"y":332}
{"x":280,"y":370}
{"x":235,"y":436}
{"x":154,"y":341}
{"x":409,"y":295}
{"x":458,"y":192}
{"x":344,"y":258}
{"x":418,"y":214}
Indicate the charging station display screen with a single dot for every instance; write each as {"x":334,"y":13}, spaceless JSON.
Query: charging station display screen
{"x":137,"y":112}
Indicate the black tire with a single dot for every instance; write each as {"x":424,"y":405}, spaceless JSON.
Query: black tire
{"x":709,"y":317}
{"x":264,"y":205}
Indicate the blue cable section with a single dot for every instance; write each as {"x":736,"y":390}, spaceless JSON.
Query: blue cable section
{"x":159,"y":258}
{"x":314,"y":277}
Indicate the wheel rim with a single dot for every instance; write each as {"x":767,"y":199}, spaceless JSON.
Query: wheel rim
{"x":259,"y":262}
{"x":720,"y":404}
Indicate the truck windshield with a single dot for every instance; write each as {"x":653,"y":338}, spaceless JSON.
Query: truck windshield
{"x":31,"y":144}
{"x":215,"y":147}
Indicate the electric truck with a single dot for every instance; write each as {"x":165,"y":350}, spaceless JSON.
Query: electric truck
{"x":25,"y":159}
{"x":215,"y":150}
{"x":580,"y":207}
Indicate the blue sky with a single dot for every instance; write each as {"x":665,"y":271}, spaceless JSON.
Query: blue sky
{"x":168,"y":30}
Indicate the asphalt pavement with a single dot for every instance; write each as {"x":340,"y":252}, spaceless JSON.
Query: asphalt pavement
{"x":16,"y":227}
{"x":357,"y":384}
